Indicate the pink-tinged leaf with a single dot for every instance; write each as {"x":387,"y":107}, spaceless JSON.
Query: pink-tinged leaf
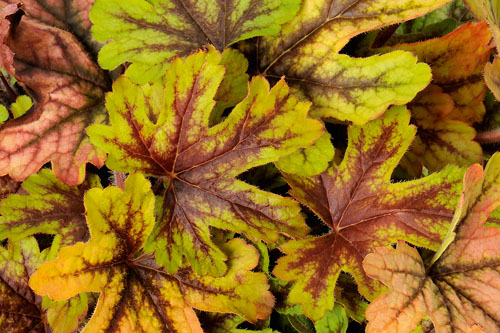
{"x":68,"y":89}
{"x":460,"y":292}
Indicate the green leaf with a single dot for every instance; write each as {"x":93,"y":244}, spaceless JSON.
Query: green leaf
{"x":22,"y":104}
{"x":136,"y":294}
{"x":334,"y":321}
{"x":163,"y":130}
{"x":310,"y":161}
{"x":354,"y":89}
{"x":363,"y":209}
{"x":148,"y":33}
{"x":48,"y":207}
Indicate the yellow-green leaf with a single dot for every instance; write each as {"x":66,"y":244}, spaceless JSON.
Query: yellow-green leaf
{"x":306,"y":53}
{"x":163,"y":130}
{"x":136,"y":294}
{"x":148,"y":33}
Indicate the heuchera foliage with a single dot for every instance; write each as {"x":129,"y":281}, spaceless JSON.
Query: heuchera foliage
{"x":235,"y":166}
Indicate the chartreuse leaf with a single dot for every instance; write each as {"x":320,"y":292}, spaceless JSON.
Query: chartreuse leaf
{"x":459,"y":292}
{"x":148,"y":33}
{"x":310,"y":161}
{"x":163,"y":130}
{"x":233,"y":87}
{"x":22,"y":104}
{"x":49,"y":207}
{"x":21,"y":310}
{"x":363,"y":209}
{"x":68,"y":94}
{"x":334,"y":321}
{"x":354,"y":89}
{"x":440,"y":141}
{"x":136,"y":294}
{"x":492,"y":77}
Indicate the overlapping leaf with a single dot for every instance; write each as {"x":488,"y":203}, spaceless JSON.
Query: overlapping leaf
{"x":489,"y":10}
{"x":163,"y":130}
{"x":461,"y":290}
{"x":136,"y":294}
{"x":364,"y":210}
{"x":306,"y":53}
{"x":148,"y":33}
{"x":66,"y":15}
{"x":457,"y":61}
{"x":440,"y":141}
{"x":49,"y":207}
{"x":68,"y":90}
{"x":21,"y":310}
{"x":444,"y":111}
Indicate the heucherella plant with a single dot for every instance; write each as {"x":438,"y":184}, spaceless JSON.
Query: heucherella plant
{"x":249,"y":166}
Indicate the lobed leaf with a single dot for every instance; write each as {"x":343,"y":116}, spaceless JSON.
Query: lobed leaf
{"x":163,"y":130}
{"x":136,"y":294}
{"x":460,"y":291}
{"x":439,"y":141}
{"x":364,"y":210}
{"x":149,"y":33}
{"x":358,"y":90}
{"x":48,"y":206}
{"x":457,"y":61}
{"x":21,"y":310}
{"x":68,"y":90}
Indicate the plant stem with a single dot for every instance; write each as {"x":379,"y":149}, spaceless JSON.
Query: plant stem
{"x":492,"y":136}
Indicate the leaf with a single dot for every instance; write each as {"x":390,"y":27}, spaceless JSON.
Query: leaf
{"x":65,"y":15}
{"x":21,"y":309}
{"x":460,"y":291}
{"x":63,"y":316}
{"x":492,"y":77}
{"x":148,"y":33}
{"x":457,"y":61}
{"x":49,"y":206}
{"x":347,"y":295}
{"x":440,"y":141}
{"x":334,"y":321}
{"x":364,"y":210}
{"x":354,"y":89}
{"x":310,"y":161}
{"x":68,"y":90}
{"x":136,"y":294}
{"x":234,"y":86}
{"x":163,"y":130}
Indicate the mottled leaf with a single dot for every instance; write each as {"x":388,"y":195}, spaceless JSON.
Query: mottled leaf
{"x":346,"y":294}
{"x":21,"y":310}
{"x":306,"y":53}
{"x":163,"y":130}
{"x":440,"y":141}
{"x":148,"y":33}
{"x":136,"y":294}
{"x":460,"y":292}
{"x":48,"y":206}
{"x":68,"y":90}
{"x":364,"y":210}
{"x":457,"y":61}
{"x":67,"y":15}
